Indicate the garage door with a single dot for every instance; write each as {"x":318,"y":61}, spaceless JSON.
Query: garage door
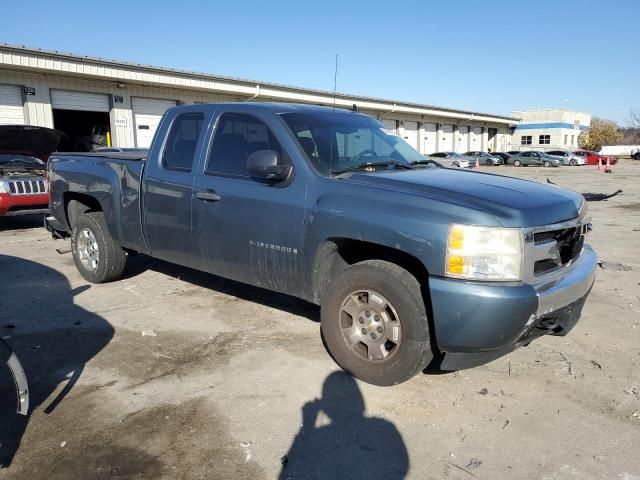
{"x":390,"y":125}
{"x":411,"y":133}
{"x":446,"y":140}
{"x":476,"y":139}
{"x":11,"y":111}
{"x":429,"y":140}
{"x":79,"y":101}
{"x":463,"y":139}
{"x":147,"y":113}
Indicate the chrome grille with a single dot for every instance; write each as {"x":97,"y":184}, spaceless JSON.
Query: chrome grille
{"x":27,"y":187}
{"x":550,"y":248}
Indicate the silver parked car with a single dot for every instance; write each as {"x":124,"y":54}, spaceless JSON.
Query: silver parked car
{"x":568,"y":158}
{"x":453,"y":159}
{"x":535,"y":158}
{"x":484,"y":158}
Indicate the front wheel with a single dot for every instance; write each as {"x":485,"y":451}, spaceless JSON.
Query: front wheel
{"x":546,"y":164}
{"x":488,"y":163}
{"x":517,"y":163}
{"x":98,"y":258}
{"x":573,"y":163}
{"x":374,"y":323}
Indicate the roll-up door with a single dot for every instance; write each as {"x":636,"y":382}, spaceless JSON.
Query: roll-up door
{"x":429,"y":140}
{"x":79,"y":101}
{"x":446,"y":139}
{"x":463,"y":139}
{"x":476,"y":139}
{"x":390,"y":125}
{"x":411,"y":133}
{"x":11,"y":110}
{"x":147,"y":113}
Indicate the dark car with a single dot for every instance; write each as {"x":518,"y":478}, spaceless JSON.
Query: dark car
{"x":409,"y":263}
{"x":636,"y":155}
{"x":503,"y":155}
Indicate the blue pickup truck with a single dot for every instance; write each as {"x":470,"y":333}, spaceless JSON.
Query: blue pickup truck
{"x":411,"y":263}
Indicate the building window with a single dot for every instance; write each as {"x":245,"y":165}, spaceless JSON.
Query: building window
{"x":526,"y":140}
{"x":566,"y":139}
{"x":544,"y":139}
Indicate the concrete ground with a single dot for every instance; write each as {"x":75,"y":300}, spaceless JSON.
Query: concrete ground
{"x":171,"y":373}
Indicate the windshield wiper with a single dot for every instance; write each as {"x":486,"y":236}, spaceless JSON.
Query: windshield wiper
{"x":363,"y":166}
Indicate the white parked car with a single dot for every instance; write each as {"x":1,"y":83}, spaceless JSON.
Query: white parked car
{"x":568,"y":158}
{"x":453,"y":159}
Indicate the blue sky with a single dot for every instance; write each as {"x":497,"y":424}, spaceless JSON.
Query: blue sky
{"x":492,"y":56}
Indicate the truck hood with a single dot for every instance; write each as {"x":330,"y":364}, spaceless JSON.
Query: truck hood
{"x":38,"y":142}
{"x":514,"y":202}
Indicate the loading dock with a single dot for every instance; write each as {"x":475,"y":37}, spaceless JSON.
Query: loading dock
{"x":11,"y":109}
{"x":83,"y":117}
{"x":147,"y":113}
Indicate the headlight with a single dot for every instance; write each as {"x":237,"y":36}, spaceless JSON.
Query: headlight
{"x":484,"y":253}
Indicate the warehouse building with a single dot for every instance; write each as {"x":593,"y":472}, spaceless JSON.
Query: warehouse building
{"x":98,"y":101}
{"x":550,"y":129}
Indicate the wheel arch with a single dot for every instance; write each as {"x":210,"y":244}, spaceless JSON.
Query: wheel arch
{"x":335,"y":254}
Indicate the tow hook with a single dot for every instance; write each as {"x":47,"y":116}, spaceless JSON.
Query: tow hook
{"x":19,"y":378}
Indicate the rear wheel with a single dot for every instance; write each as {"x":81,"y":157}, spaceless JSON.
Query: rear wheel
{"x":546,"y":164}
{"x":573,"y":162}
{"x":97,"y":256}
{"x":517,"y":163}
{"x":374,"y":323}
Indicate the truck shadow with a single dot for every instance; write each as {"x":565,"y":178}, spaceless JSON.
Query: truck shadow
{"x":52,"y":337}
{"x":351,"y":446}
{"x":138,"y":264}
{"x":22,"y":222}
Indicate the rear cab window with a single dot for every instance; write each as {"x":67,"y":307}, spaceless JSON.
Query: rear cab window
{"x":182,"y":140}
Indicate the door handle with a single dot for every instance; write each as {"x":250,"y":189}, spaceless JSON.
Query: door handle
{"x":208,"y":196}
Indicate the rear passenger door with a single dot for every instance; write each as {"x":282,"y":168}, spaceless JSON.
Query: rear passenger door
{"x":248,"y":230}
{"x":168,"y":188}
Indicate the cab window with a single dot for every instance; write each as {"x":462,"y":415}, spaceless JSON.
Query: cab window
{"x":182,"y":140}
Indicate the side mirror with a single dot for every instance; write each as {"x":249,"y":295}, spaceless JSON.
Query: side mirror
{"x":263,"y":165}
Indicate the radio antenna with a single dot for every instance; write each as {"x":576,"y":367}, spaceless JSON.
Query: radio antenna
{"x":335,"y":82}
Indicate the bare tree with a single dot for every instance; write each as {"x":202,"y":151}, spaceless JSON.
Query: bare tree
{"x":634,"y":118}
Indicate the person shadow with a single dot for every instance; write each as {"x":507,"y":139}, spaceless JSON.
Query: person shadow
{"x":52,"y":337}
{"x":351,"y":446}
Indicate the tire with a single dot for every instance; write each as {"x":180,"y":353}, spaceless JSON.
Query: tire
{"x":546,"y":164}
{"x":517,"y":163}
{"x":97,"y":257}
{"x":488,"y":163}
{"x":573,"y":162}
{"x":365,"y":287}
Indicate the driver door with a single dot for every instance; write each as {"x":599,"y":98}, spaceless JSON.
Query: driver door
{"x":245,"y":229}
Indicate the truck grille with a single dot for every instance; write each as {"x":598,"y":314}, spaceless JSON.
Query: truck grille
{"x":566,"y":245}
{"x":27,"y":187}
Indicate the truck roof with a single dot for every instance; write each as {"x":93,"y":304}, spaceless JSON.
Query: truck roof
{"x":277,"y":107}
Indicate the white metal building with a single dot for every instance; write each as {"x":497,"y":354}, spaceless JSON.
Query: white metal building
{"x":549,"y":129}
{"x":79,"y":94}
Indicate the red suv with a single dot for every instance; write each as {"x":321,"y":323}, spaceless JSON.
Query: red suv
{"x":593,"y":157}
{"x":24,"y":151}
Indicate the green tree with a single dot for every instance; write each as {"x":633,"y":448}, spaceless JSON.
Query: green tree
{"x":601,"y":132}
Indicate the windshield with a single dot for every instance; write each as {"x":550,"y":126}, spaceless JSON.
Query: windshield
{"x":20,"y":160}
{"x":336,"y":141}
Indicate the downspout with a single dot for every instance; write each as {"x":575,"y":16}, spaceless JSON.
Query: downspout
{"x":255,"y":95}
{"x":387,"y":113}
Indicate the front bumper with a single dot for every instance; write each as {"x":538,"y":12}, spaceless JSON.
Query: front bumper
{"x":11,"y":205}
{"x":487,"y":320}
